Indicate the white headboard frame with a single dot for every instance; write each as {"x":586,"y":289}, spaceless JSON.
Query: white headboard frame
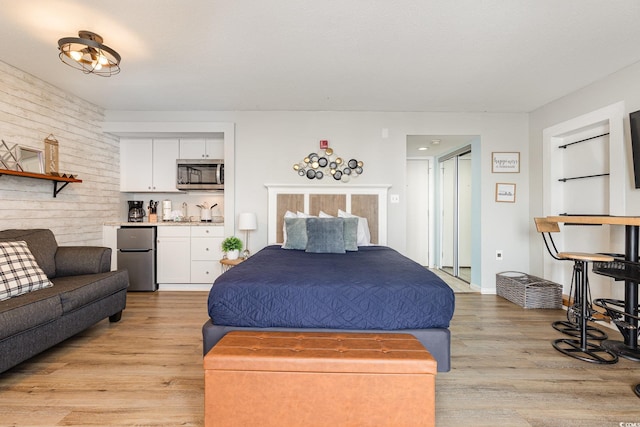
{"x":347,"y":190}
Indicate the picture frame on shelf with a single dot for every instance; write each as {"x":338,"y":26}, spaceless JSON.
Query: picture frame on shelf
{"x":505,"y":192}
{"x":30,"y":159}
{"x":505,"y":162}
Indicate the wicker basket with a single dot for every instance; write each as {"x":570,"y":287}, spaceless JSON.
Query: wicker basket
{"x":528,"y":291}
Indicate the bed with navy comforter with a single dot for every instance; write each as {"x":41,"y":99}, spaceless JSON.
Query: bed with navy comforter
{"x":372,"y":289}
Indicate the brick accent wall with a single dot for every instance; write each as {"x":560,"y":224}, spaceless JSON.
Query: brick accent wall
{"x":30,"y":110}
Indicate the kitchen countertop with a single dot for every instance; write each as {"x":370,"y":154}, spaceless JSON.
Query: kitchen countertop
{"x":164,"y":223}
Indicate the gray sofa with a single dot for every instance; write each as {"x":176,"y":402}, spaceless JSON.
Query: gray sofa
{"x":84,"y":292}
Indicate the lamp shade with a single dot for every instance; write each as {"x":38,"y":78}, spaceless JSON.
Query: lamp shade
{"x":247,"y":221}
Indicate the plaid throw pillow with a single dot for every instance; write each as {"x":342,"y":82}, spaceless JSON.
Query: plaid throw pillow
{"x":19,"y":272}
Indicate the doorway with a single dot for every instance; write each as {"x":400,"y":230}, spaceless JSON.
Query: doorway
{"x":455,"y":213}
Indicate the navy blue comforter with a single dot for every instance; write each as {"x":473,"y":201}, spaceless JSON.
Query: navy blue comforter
{"x":373,"y":288}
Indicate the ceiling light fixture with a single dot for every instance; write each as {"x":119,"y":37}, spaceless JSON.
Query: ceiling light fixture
{"x":423,"y":148}
{"x":435,"y":141}
{"x":87,"y":53}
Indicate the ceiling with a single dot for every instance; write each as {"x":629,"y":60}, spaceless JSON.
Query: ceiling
{"x":421,"y":146}
{"x":339,"y":55}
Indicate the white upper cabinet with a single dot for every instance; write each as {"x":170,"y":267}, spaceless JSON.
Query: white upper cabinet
{"x":148,"y":165}
{"x":165,"y":169}
{"x":136,"y":164}
{"x":202,"y":148}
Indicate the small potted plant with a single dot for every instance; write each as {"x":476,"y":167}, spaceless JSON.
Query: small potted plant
{"x":232,"y":247}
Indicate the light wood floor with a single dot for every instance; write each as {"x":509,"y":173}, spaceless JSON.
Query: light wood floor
{"x":458,"y":285}
{"x":147,"y":370}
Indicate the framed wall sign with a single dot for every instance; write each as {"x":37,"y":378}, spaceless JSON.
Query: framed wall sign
{"x":505,"y":162}
{"x":505,"y":192}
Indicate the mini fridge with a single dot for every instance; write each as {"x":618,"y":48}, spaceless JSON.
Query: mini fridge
{"x":137,"y":254}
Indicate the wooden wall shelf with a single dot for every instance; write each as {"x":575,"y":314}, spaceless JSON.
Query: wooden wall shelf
{"x":55,"y":179}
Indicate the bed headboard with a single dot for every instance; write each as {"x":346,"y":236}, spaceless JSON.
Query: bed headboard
{"x":366,"y":201}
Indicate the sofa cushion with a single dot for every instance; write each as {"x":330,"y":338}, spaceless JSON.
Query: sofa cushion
{"x":78,"y":291}
{"x":19,"y":271}
{"x":29,"y":311}
{"x":75,"y":260}
{"x":42,"y":244}
{"x":68,"y":294}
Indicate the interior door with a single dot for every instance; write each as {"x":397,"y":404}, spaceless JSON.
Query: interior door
{"x":418,"y":220}
{"x":455,"y":214}
{"x":448,"y":216}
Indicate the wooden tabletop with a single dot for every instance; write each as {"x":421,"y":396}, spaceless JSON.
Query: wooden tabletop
{"x":225,"y":261}
{"x":587,"y":219}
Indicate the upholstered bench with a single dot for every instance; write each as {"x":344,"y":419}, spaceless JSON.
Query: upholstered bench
{"x":319,"y":379}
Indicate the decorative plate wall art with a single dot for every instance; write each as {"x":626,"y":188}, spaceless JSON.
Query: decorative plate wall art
{"x":326,"y":164}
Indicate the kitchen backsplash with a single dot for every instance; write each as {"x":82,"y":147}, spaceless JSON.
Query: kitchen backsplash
{"x":185,"y":202}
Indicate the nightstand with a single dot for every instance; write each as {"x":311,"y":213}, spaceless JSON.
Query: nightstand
{"x":228,"y":263}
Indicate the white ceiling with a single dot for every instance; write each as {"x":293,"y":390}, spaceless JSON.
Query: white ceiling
{"x":364,"y":55}
{"x":436,"y":145}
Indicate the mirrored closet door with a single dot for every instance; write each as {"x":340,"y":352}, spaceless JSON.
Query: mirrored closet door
{"x":455,"y":203}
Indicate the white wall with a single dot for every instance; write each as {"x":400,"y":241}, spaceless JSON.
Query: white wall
{"x":30,"y":110}
{"x":622,"y":86}
{"x":269,"y":143}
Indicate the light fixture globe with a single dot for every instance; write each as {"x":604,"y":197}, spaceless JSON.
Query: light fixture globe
{"x":87,"y":53}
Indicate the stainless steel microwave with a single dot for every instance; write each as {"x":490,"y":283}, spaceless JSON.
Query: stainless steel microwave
{"x":197,"y":174}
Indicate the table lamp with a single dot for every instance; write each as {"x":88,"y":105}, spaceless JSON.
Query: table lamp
{"x":246,"y":223}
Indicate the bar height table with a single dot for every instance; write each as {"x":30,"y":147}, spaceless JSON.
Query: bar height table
{"x":629,"y":347}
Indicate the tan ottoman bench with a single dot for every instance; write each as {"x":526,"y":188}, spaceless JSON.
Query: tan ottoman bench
{"x":319,"y":379}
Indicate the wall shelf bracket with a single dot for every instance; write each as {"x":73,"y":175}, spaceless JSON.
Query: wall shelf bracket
{"x":56,"y":179}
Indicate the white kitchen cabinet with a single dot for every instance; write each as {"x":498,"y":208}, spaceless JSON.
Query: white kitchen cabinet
{"x":136,"y":165}
{"x":148,"y":165}
{"x":206,"y":252}
{"x":173,"y":254}
{"x":201,"y":148}
{"x":165,"y":169}
{"x":188,"y":254}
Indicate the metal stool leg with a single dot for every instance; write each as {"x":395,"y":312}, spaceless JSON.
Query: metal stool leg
{"x":571,"y":326}
{"x":573,"y":330}
{"x":581,"y":349}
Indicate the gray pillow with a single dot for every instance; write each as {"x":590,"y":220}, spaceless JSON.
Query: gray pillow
{"x":296,"y":229}
{"x":325,"y":235}
{"x":351,"y":234}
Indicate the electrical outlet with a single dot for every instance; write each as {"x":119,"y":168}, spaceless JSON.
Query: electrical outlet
{"x":499,"y":255}
{"x":395,"y":198}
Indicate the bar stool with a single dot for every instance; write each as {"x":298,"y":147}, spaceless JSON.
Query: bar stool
{"x":571,"y":326}
{"x":580,"y":348}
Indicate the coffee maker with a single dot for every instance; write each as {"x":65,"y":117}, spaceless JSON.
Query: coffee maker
{"x":136,"y":211}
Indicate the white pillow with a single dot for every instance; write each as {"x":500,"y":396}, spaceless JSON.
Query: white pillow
{"x":324,"y":215}
{"x":19,"y":271}
{"x":304,"y":215}
{"x":364,"y":235}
